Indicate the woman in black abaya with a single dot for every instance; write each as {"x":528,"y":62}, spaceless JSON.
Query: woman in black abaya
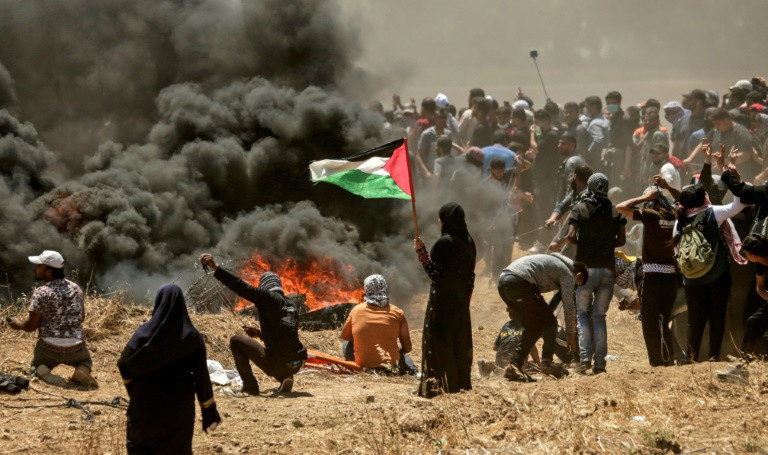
{"x":163,"y":367}
{"x":447,"y":336}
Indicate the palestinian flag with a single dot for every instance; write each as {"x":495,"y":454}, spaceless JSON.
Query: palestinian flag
{"x":383,"y":172}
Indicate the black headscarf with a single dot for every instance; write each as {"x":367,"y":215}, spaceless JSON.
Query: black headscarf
{"x":452,"y":217}
{"x":166,"y":338}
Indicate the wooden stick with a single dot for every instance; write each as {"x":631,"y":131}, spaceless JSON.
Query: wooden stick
{"x":413,"y":191}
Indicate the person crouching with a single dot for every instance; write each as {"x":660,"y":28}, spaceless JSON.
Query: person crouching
{"x":282,"y":355}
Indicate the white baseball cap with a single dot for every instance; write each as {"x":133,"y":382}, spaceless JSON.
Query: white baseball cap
{"x":441,"y":100}
{"x":49,"y":258}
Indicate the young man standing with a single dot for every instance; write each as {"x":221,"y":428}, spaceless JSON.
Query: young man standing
{"x":659,"y":289}
{"x":596,"y":229}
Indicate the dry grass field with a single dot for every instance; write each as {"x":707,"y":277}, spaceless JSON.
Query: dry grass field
{"x":632,"y":409}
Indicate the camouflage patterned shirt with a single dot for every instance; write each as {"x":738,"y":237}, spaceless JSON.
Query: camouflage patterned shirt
{"x":60,"y":303}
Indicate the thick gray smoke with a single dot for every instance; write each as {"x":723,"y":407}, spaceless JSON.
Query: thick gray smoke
{"x":87,"y":72}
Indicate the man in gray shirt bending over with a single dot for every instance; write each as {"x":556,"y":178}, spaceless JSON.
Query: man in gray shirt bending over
{"x":520,"y":286}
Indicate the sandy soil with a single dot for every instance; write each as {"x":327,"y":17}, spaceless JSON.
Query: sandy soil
{"x":632,"y":409}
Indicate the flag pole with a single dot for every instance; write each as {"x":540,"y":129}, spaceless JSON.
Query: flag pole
{"x":413,"y":190}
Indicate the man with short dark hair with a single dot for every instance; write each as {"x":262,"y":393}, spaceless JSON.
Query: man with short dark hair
{"x":661,"y":166}
{"x":426,"y":155}
{"x":467,"y":121}
{"x":56,"y":311}
{"x":575,"y":128}
{"x":577,"y":190}
{"x":498,"y":234}
{"x":644,"y":139}
{"x":521,"y":284}
{"x":731,"y":134}
{"x":620,"y":139}
{"x":482,"y":135}
{"x":545,"y":156}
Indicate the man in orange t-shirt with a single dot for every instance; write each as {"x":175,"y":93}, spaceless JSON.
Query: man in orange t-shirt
{"x":373,"y":329}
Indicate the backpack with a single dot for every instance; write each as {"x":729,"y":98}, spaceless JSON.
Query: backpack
{"x":695,"y":255}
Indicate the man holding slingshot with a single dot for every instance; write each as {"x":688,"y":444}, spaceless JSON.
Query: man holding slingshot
{"x":282,"y":354}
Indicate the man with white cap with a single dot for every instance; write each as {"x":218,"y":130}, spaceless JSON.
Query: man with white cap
{"x":57,"y":311}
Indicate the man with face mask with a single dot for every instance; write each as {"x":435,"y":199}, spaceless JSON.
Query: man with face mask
{"x":680,"y":119}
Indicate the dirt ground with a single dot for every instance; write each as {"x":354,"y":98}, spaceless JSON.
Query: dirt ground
{"x":632,"y":409}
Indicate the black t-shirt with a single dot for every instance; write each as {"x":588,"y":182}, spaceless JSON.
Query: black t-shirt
{"x":598,"y":225}
{"x":483,"y":135}
{"x":507,"y":341}
{"x":548,"y":159}
{"x":657,"y":237}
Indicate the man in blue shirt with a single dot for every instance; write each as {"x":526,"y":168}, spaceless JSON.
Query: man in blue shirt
{"x":498,"y":150}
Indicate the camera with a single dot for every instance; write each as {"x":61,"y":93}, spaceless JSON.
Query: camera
{"x":534,"y":53}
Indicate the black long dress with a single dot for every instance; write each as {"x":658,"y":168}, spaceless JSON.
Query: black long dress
{"x":163,"y":367}
{"x":447,"y":335}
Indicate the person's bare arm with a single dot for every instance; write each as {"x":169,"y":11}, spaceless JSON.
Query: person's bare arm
{"x":535,"y":355}
{"x":420,"y":162}
{"x":571,"y":236}
{"x":405,"y":338}
{"x":30,"y":324}
{"x":761,"y":291}
{"x":692,"y":156}
{"x":622,"y":237}
{"x":663,"y":184}
{"x":627,"y":207}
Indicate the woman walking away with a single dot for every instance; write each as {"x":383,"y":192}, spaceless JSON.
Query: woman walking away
{"x":704,"y":264}
{"x":447,"y":335}
{"x":163,"y":367}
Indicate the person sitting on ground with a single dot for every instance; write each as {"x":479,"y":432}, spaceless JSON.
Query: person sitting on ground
{"x":520,"y":286}
{"x":163,"y":367}
{"x":57,"y":310}
{"x":282,"y":355}
{"x":372,"y":330}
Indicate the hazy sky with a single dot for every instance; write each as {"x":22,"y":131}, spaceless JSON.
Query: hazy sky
{"x":644,"y":49}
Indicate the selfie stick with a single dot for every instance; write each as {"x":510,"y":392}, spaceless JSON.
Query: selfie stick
{"x":534,"y":53}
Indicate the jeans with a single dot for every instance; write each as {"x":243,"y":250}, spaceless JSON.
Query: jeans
{"x":525,"y":303}
{"x":592,"y":302}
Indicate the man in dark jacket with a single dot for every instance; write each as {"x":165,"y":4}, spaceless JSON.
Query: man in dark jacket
{"x":282,"y":354}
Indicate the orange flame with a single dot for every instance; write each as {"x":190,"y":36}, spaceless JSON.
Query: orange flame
{"x":318,"y":279}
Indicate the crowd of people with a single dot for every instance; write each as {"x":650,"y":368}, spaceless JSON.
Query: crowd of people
{"x":587,"y":169}
{"x":590,"y":169}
